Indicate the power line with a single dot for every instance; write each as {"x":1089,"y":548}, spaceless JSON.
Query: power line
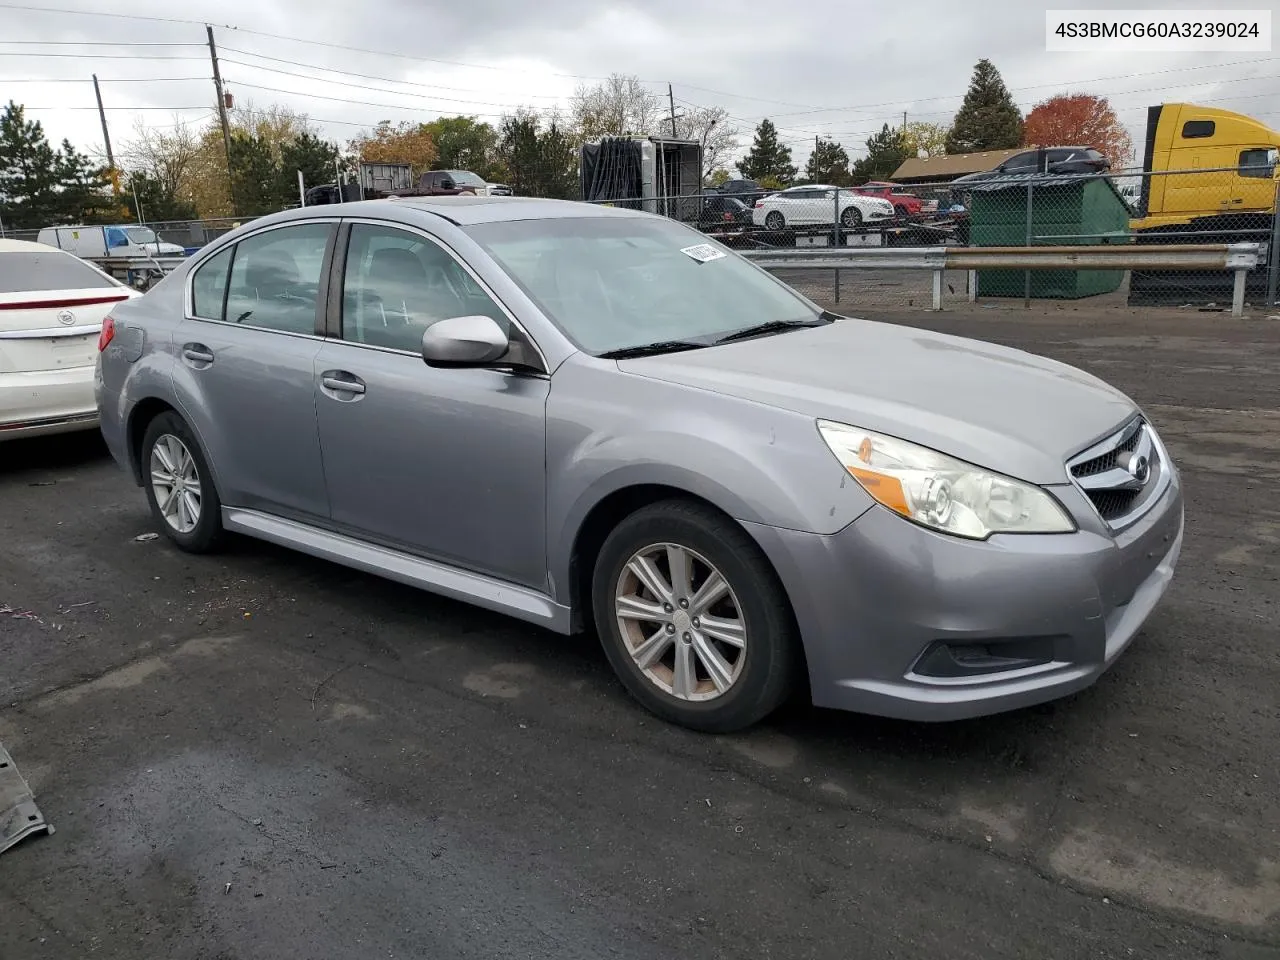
{"x":101,"y":79}
{"x":201,"y":107}
{"x":96,"y":43}
{"x":99,"y":56}
{"x":358,"y":86}
{"x":366,"y":103}
{"x":349,"y":73}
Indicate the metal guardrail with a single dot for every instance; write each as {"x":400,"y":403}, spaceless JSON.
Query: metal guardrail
{"x":1239,"y":258}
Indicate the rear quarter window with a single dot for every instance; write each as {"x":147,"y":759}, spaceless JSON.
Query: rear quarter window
{"x":24,"y":272}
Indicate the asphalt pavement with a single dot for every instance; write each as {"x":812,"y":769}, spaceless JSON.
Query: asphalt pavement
{"x":256,"y":754}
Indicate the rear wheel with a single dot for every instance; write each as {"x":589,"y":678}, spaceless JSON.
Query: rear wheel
{"x":693,"y":619}
{"x":179,"y":485}
{"x":775,"y":220}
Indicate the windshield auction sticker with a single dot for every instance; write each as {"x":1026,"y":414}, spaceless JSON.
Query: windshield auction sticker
{"x":703,"y":252}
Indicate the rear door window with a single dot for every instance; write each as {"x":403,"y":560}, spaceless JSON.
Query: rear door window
{"x":275,"y":278}
{"x":24,"y":272}
{"x":209,"y":286}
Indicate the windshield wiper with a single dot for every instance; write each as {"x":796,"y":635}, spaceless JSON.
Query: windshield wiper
{"x":773,"y":326}
{"x":650,"y":349}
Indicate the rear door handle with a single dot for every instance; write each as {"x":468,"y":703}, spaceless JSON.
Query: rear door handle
{"x":339,"y":381}
{"x":197,"y":353}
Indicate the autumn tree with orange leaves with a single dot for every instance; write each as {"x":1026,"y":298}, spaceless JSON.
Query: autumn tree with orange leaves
{"x":404,"y":142}
{"x":1079,"y":120}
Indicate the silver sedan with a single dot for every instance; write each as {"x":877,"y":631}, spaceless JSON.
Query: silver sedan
{"x":596,"y":419}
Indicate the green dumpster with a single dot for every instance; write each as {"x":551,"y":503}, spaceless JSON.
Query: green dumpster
{"x":1065,"y":211}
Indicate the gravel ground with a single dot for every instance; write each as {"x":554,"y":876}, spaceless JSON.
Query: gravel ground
{"x":257,"y":754}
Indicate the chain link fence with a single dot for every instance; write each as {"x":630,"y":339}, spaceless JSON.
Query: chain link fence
{"x":1216,"y":206}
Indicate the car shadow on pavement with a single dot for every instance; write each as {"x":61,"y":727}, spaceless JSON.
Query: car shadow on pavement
{"x":62,"y":451}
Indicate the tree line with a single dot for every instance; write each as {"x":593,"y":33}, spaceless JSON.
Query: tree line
{"x":183,"y":171}
{"x":988,"y":119}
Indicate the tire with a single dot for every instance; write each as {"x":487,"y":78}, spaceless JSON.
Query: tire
{"x":901,"y":211}
{"x":169,"y":433}
{"x":851,"y":217}
{"x":755,"y":677}
{"x":775,"y":221}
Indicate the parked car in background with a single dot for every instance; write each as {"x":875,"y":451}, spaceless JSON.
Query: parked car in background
{"x":1045,"y":160}
{"x":720,"y":212}
{"x":748,"y":191}
{"x":126,"y":240}
{"x":816,"y":204}
{"x":52,"y":306}
{"x":904,"y":204}
{"x":477,"y":184}
{"x":585,"y":415}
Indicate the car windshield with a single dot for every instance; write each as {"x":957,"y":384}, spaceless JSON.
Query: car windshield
{"x":615,"y":283}
{"x":465,"y":178}
{"x":142,"y":235}
{"x":27,"y":272}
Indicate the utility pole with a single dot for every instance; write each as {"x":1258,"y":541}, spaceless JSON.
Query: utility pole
{"x":904,"y":121}
{"x":106,"y":136}
{"x":222,"y":111}
{"x":671,"y":99}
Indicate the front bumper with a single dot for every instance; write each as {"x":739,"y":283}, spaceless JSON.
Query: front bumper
{"x":874,"y":599}
{"x":47,"y":401}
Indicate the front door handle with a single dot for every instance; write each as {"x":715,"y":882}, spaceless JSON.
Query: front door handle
{"x":197,"y":353}
{"x":341,"y":382}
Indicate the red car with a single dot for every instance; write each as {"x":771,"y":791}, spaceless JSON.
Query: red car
{"x":904,"y":204}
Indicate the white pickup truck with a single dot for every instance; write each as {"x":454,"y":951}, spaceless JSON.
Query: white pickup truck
{"x":125,"y":240}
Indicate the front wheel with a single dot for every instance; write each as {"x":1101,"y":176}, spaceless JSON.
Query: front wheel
{"x":851,"y":217}
{"x":693,"y":619}
{"x":179,"y":485}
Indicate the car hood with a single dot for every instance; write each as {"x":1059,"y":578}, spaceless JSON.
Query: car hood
{"x":1007,"y":410}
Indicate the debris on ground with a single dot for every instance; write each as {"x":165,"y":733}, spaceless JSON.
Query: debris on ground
{"x":146,"y":537}
{"x":19,"y":816}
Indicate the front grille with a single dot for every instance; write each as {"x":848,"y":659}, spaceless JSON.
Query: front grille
{"x":1108,"y":460}
{"x":1102,"y":473}
{"x":1112,"y":504}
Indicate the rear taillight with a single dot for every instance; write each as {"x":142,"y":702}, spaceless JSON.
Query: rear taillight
{"x":107,"y":334}
{"x":728,"y":218}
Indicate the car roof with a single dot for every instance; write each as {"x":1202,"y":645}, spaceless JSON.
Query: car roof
{"x":463,"y":211}
{"x":26,"y":246}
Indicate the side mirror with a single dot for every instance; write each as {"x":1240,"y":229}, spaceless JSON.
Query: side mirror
{"x":464,"y":342}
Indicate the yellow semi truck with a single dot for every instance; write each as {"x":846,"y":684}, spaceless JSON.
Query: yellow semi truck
{"x":1209,"y":176}
{"x":1237,"y":153}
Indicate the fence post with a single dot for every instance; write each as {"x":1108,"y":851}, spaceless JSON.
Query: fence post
{"x":1026,"y":300}
{"x":1273,"y":254}
{"x":837,"y":284}
{"x":835,"y":219}
{"x":1237,"y":292}
{"x":937,"y":288}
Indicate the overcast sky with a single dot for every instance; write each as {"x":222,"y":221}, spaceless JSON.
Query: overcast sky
{"x":833,"y":68}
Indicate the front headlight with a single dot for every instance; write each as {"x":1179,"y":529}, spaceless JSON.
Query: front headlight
{"x":939,"y":491}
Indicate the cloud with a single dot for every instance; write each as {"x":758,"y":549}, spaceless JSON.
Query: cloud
{"x":834,"y":68}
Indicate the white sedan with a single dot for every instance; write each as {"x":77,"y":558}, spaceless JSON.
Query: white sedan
{"x":52,"y":306}
{"x":815,"y":205}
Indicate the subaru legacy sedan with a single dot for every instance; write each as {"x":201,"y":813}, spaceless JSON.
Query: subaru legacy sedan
{"x":596,"y":419}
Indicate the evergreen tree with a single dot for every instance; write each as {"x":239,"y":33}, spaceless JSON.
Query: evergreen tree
{"x":85,"y":194}
{"x":829,"y":163}
{"x":540,"y":161}
{"x":254,"y":176}
{"x":158,"y":203}
{"x":30,"y":173}
{"x":885,"y":153}
{"x":767,"y":157}
{"x":988,"y":119}
{"x":310,"y":154}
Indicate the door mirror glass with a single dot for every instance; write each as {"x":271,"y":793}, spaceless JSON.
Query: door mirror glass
{"x":464,"y":342}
